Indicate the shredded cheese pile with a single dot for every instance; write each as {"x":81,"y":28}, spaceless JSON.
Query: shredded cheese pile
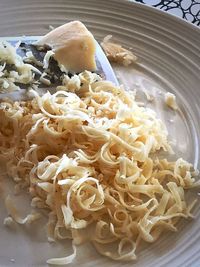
{"x":89,"y":156}
{"x":20,"y":72}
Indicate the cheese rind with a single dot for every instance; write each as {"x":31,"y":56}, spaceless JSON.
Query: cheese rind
{"x":74,"y":46}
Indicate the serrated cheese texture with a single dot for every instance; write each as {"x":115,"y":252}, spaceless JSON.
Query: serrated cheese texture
{"x":74,"y":46}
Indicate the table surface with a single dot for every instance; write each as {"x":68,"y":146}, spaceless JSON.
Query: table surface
{"x":186,"y":9}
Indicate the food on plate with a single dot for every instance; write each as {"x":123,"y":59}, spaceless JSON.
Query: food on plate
{"x":73,"y":46}
{"x":170,"y":100}
{"x":116,"y":53}
{"x":18,"y":72}
{"x":89,"y":156}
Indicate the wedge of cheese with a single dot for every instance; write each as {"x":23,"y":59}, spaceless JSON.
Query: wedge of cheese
{"x":73,"y":46}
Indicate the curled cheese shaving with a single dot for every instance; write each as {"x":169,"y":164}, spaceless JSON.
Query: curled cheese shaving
{"x":46,"y":59}
{"x":12,"y":211}
{"x":91,"y":159}
{"x":64,"y":260}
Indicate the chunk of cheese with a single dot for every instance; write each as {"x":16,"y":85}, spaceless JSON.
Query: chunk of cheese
{"x":74,"y":46}
{"x":170,"y":100}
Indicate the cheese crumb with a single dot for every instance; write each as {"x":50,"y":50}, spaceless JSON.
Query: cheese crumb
{"x":8,"y":221}
{"x":170,"y":100}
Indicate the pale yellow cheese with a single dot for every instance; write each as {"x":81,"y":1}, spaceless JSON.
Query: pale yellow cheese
{"x":74,"y":46}
{"x":170,"y":100}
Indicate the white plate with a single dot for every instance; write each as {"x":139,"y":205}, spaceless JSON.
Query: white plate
{"x":168,"y":49}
